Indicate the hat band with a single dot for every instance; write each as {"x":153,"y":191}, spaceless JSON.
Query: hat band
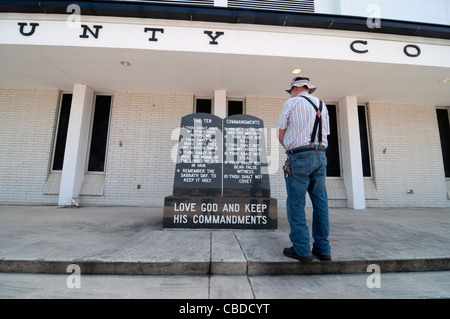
{"x":300,"y":79}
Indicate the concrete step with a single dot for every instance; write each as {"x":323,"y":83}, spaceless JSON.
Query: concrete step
{"x":131,"y":241}
{"x":251,"y":268}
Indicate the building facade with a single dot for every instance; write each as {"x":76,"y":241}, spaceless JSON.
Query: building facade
{"x":92,"y":93}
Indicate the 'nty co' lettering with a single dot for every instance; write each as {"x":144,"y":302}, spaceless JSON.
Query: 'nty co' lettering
{"x":357,"y":46}
{"x":27,"y":31}
{"x":360,"y":46}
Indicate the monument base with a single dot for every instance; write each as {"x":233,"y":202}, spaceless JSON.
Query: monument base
{"x":197,"y":212}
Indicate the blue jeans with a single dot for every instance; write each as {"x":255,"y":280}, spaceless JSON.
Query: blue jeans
{"x":308,"y":173}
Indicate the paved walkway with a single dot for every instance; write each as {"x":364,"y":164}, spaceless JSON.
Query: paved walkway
{"x":131,"y":241}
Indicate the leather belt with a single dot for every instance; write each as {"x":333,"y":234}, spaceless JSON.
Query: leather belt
{"x":306,"y":149}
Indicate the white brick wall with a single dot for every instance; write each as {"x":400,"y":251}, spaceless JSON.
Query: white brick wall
{"x":413,"y":158}
{"x":143,"y":123}
{"x":269,"y":110}
{"x":27,"y":127}
{"x":406,"y":154}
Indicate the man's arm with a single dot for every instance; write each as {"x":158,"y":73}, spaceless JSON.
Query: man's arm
{"x":281,"y":136}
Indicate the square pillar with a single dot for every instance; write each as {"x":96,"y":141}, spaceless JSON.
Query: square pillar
{"x":221,"y":3}
{"x":76,"y":145}
{"x":220,"y":103}
{"x":351,"y":152}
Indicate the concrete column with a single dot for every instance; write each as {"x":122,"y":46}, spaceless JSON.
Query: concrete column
{"x":76,"y":145}
{"x":220,"y":103}
{"x":221,"y":3}
{"x":351,"y":152}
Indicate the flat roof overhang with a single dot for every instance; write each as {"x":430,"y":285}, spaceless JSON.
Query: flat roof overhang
{"x":249,"y":61}
{"x":144,"y":9}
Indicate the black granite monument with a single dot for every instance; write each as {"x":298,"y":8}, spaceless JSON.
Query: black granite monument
{"x":199,"y":162}
{"x":221,"y":175}
{"x":245,"y":171}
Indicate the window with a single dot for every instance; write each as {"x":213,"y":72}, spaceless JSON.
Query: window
{"x":61,"y":135}
{"x":444,"y":133}
{"x":235,"y":107}
{"x":203,"y":106}
{"x":364,"y":140}
{"x":333,"y":158}
{"x":99,"y":137}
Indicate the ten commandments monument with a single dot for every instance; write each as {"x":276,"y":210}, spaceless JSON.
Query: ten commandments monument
{"x":221,"y":175}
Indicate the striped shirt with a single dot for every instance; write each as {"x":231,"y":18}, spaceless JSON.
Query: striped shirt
{"x":298,"y":117}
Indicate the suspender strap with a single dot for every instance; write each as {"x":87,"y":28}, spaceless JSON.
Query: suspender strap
{"x":317,"y":122}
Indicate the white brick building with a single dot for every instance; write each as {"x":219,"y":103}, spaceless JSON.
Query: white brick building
{"x":388,"y":86}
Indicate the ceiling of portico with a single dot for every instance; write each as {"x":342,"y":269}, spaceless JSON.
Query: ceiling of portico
{"x":35,"y":66}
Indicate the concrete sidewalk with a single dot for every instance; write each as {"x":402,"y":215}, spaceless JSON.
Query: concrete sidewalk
{"x":131,"y":241}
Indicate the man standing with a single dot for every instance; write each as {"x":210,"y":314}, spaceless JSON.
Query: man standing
{"x":302,"y":130}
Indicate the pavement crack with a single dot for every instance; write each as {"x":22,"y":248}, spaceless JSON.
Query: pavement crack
{"x":246,"y":265}
{"x":251,"y":286}
{"x":243,"y":252}
{"x":210,"y":264}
